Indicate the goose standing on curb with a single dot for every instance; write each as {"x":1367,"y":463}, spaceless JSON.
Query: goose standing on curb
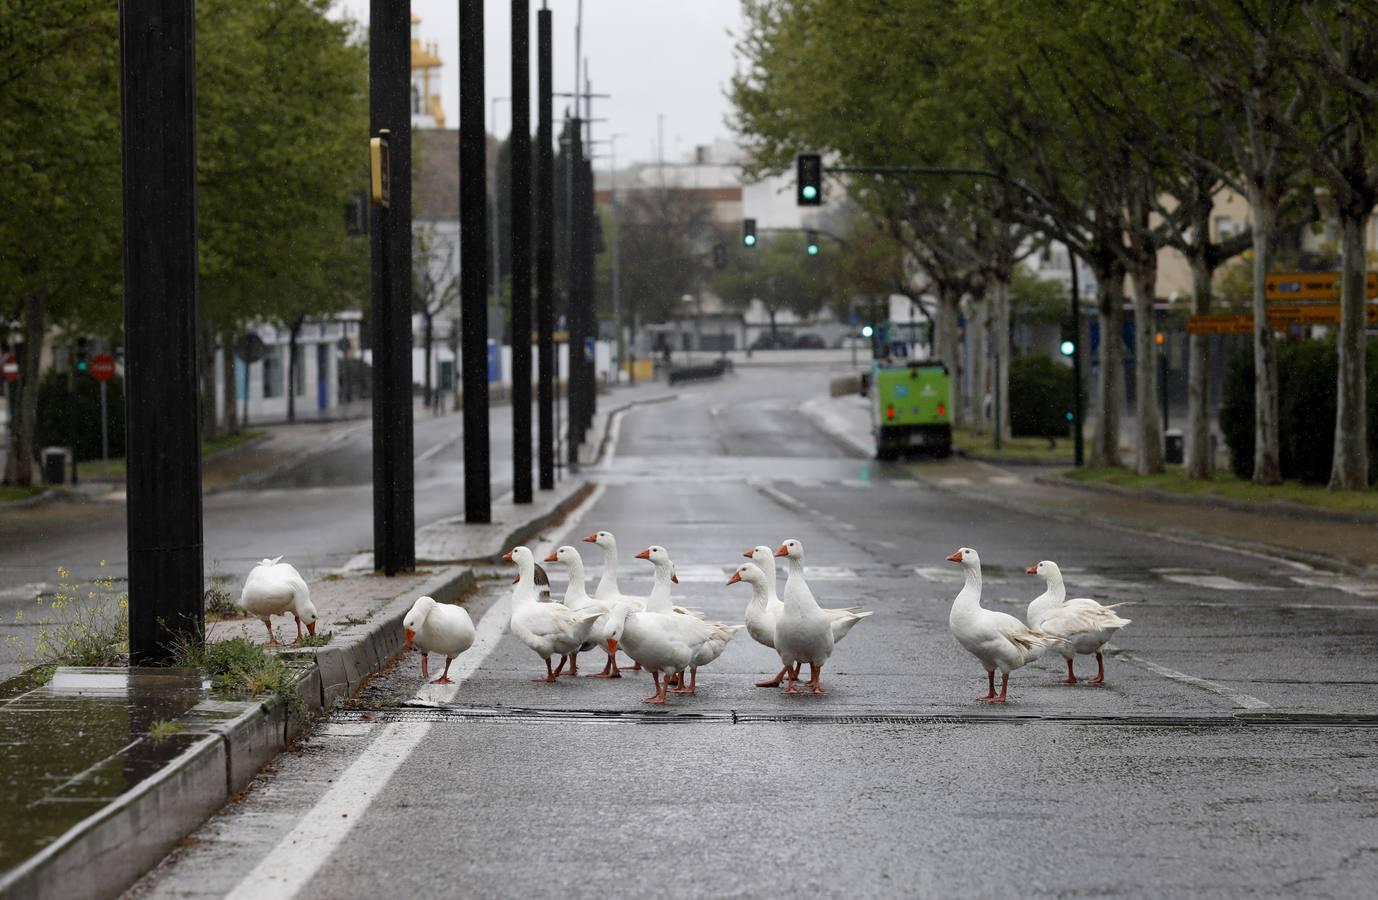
{"x":577,"y":599}
{"x":804,"y":632}
{"x":274,"y":588}
{"x":547,"y":628}
{"x":1085,"y":626}
{"x":438,"y":628}
{"x":998,"y":640}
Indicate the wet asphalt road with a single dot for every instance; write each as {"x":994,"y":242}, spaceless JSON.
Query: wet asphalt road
{"x":1229,"y":753}
{"x":318,"y":513}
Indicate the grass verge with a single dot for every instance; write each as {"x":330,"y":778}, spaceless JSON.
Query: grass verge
{"x":1225,"y":484}
{"x":239,"y":666}
{"x":967,"y":441}
{"x":9,"y":493}
{"x":94,"y":469}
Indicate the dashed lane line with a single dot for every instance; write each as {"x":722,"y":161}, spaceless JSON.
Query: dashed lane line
{"x":1239,"y":699}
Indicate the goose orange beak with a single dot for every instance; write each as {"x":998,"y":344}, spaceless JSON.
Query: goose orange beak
{"x":591,"y":539}
{"x":552,"y":558}
{"x":735,"y":578}
{"x":311,"y":628}
{"x":783,"y":551}
{"x":747,"y":554}
{"x":1032,"y":570}
{"x":674,"y":579}
{"x":410,"y":634}
{"x":644,"y":554}
{"x":507,"y":556}
{"x":956,"y":557}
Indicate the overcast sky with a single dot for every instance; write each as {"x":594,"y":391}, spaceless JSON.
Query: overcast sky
{"x":670,"y":57}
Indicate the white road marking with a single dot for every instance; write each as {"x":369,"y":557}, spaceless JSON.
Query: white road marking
{"x":937,"y":573}
{"x":903,"y":483}
{"x":444,"y":442}
{"x":856,"y":483}
{"x":1240,"y":700}
{"x":887,"y":545}
{"x":1348,"y":585}
{"x":806,"y":483}
{"x":24,"y":591}
{"x":320,"y":831}
{"x":780,"y":496}
{"x":1005,"y":479}
{"x":953,"y":481}
{"x":1218,"y":583}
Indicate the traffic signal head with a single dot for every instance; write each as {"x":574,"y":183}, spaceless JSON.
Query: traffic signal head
{"x":1068,"y":346}
{"x":748,"y":232}
{"x":809,"y":179}
{"x":813,"y":243}
{"x":867,"y":331}
{"x":719,"y":256}
{"x":82,"y":360}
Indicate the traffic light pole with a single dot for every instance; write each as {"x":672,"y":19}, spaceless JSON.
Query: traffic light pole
{"x":520,"y":186}
{"x":473,"y":228}
{"x":162,"y":395}
{"x":1078,"y":438}
{"x":545,"y":255}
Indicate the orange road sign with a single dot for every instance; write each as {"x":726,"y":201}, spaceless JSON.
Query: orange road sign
{"x":1293,"y":286}
{"x":1278,"y":317}
{"x":1220,"y":324}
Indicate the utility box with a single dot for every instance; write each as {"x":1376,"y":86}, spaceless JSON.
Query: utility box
{"x":1175,"y":447}
{"x":54,"y":465}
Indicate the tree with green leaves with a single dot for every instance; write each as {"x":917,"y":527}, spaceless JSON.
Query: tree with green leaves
{"x":779,"y":273}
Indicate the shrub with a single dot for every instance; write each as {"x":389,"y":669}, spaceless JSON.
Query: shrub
{"x":78,"y":625}
{"x":54,"y":428}
{"x":1040,"y":396}
{"x":1306,"y":410}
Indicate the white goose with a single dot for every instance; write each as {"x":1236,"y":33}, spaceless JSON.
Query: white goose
{"x":577,"y":598}
{"x":1085,"y":626}
{"x":660,"y":640}
{"x":609,"y":591}
{"x":713,"y":637}
{"x":274,"y":588}
{"x":547,"y":628}
{"x":761,"y":616}
{"x":998,"y":640}
{"x":804,"y":631}
{"x":438,"y":628}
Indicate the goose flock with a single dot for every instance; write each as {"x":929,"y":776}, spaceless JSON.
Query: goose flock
{"x":673,"y":642}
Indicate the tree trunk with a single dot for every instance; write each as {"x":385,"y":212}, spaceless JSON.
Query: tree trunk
{"x":976,"y":326}
{"x":1349,"y":471}
{"x":1198,"y":437}
{"x":945,"y":347}
{"x":19,"y":467}
{"x":426,"y":394}
{"x":292,"y":369}
{"x":1000,"y":355}
{"x":1105,"y":439}
{"x":1148,"y":454}
{"x":227,"y":388}
{"x":1267,"y":457}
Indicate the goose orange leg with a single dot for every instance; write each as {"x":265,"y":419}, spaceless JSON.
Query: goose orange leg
{"x":774,"y":682}
{"x":573,"y":665}
{"x":610,"y":669}
{"x":659,"y":695}
{"x":1071,"y":675}
{"x":1100,"y":669}
{"x":272,"y":637}
{"x":815,"y":671}
{"x":445,"y":676}
{"x":792,"y":679}
{"x":549,"y":674}
{"x":693,"y":682}
{"x":425,"y":666}
{"x":1004,"y":687}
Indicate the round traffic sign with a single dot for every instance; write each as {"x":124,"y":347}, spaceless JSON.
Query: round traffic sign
{"x":102,"y":367}
{"x":10,"y":365}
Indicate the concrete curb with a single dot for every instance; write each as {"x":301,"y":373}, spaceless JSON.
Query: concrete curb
{"x":103,"y":854}
{"x":614,"y":414}
{"x":1273,"y":507}
{"x":831,"y":427}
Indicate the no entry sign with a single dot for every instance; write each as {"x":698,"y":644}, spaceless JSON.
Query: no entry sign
{"x":102,"y":367}
{"x":10,"y":365}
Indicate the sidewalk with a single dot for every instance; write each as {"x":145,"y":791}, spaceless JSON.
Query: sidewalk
{"x":1321,"y":539}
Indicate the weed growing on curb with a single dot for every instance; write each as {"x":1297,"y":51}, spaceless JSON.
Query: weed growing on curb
{"x":219,"y":598}
{"x":161,"y":730}
{"x":315,"y":640}
{"x":239,"y":666}
{"x":77,"y":625}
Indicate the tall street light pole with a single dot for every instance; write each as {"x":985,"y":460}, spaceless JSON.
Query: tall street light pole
{"x":394,"y":501}
{"x":473,"y":230}
{"x":519,"y":181}
{"x":545,"y":254}
{"x":495,"y":310}
{"x":162,"y":399}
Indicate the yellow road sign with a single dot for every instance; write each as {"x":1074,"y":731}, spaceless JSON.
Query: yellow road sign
{"x":1220,"y":324}
{"x":1278,"y":317}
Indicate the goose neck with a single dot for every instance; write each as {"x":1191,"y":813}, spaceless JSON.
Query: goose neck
{"x":659,"y":601}
{"x":970,"y":595}
{"x":607,"y":582}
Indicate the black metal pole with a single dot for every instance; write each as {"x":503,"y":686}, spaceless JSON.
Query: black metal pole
{"x":473,"y":234}
{"x":545,"y":253}
{"x":162,"y":397}
{"x":574,"y":394}
{"x":590,"y":297}
{"x":1078,"y":438}
{"x":521,"y":252}
{"x":394,"y":511}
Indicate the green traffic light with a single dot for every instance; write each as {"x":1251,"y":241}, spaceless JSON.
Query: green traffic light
{"x":749,"y":240}
{"x":867,"y":331}
{"x":813,"y":249}
{"x":809,"y":192}
{"x":81,"y":366}
{"x":1069,"y":417}
{"x":1068,"y":348}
